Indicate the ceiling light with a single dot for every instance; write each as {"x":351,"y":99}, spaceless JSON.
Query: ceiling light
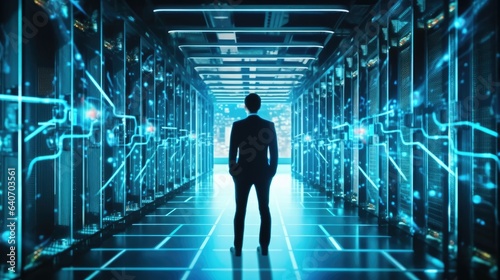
{"x":247,"y":90}
{"x":218,"y":45}
{"x":258,"y":8}
{"x":248,"y":66}
{"x":254,"y":30}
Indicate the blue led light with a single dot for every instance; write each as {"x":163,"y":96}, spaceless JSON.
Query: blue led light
{"x":5,"y":236}
{"x":416,"y":194}
{"x":476,"y":199}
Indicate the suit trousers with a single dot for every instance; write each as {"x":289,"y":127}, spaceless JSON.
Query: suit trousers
{"x":242,"y":190}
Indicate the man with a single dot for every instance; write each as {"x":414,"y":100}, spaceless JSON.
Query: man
{"x":252,"y":137}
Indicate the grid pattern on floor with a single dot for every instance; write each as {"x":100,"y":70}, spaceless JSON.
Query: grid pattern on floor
{"x":312,"y":238}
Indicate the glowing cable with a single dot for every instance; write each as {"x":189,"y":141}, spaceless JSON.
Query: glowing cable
{"x":144,"y":167}
{"x":470,"y":154}
{"x":392,"y":160}
{"x":321,"y":155}
{"x":38,"y":100}
{"x":37,"y":131}
{"x":121,"y":166}
{"x":99,"y":88}
{"x":149,"y":160}
{"x":471,"y":124}
{"x":59,"y":152}
{"x":433,"y":156}
{"x":342,"y":125}
{"x":377,"y":115}
{"x":368,"y":177}
{"x":475,"y":155}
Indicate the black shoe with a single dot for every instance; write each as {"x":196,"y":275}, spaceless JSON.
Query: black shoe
{"x":236,"y":253}
{"x":262,"y":251}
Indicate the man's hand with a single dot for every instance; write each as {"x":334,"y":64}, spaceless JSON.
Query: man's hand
{"x":235,"y":169}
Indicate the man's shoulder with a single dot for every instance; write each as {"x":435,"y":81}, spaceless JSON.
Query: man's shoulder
{"x":268,"y":122}
{"x":238,"y":122}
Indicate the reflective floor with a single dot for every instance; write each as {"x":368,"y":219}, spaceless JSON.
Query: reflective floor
{"x":189,"y":238}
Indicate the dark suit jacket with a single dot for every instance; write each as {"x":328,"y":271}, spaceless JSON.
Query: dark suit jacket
{"x":253,"y":137}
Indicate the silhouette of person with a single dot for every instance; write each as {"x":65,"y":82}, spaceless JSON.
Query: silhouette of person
{"x":252,"y":137}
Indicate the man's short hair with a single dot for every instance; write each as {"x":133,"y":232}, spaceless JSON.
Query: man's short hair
{"x":252,"y":102}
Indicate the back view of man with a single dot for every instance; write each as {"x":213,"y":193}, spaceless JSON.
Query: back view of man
{"x":252,"y":137}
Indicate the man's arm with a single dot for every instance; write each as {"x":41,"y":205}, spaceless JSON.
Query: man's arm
{"x":273,"y":151}
{"x":233,"y":150}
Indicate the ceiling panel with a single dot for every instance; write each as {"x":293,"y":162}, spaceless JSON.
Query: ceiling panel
{"x":238,"y":47}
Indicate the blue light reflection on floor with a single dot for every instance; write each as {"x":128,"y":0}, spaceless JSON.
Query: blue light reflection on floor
{"x":312,"y":238}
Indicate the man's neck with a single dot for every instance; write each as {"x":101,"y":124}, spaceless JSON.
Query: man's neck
{"x":252,"y":114}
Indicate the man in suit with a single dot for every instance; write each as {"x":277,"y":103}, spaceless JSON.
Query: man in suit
{"x":252,"y":138}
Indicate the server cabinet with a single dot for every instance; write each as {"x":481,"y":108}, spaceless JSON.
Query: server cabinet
{"x":163,"y":78}
{"x":354,"y":131}
{"x":337,"y":143}
{"x":328,"y":134}
{"x":115,"y":128}
{"x":373,"y":180}
{"x":360,"y":130}
{"x":383,"y":147}
{"x":322,"y":162}
{"x":399,"y":135}
{"x":295,"y":132}
{"x":11,"y":153}
{"x":475,"y":125}
{"x":87,"y":103}
{"x":136,"y":137}
{"x":346,"y":128}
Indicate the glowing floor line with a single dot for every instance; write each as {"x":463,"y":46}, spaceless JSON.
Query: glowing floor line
{"x":198,"y":254}
{"x":400,"y":266}
{"x":332,"y":240}
{"x":105,"y":265}
{"x":289,"y":244}
{"x":167,"y":238}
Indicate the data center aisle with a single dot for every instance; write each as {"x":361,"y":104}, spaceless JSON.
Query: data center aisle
{"x":190,"y":236}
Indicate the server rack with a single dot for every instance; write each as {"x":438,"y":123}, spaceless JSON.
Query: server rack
{"x":423,"y":90}
{"x":338,"y":141}
{"x":381,"y":60}
{"x":89,"y":121}
{"x":330,"y":184}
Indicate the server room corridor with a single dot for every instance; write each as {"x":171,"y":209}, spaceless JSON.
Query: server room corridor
{"x":189,"y":238}
{"x":119,"y":118}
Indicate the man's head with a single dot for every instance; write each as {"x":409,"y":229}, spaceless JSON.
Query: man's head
{"x":252,"y":102}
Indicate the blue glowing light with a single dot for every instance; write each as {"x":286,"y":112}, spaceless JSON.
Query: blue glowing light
{"x":476,"y":199}
{"x":418,"y":98}
{"x":459,"y":23}
{"x":5,"y":236}
{"x":490,"y":186}
{"x":416,"y":194}
{"x":432,"y":193}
